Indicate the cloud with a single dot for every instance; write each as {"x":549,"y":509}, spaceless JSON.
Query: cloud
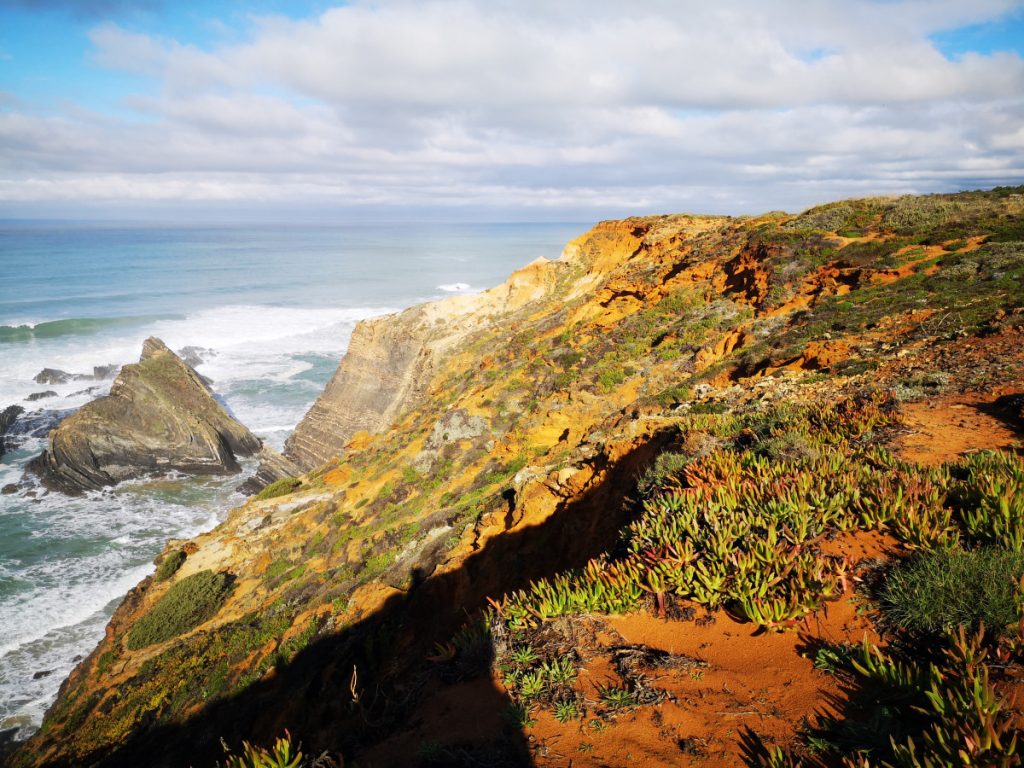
{"x":535,"y":104}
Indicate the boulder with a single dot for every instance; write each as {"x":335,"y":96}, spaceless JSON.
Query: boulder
{"x":273,"y":467}
{"x":159,"y":417}
{"x":100,"y":372}
{"x":41,"y":395}
{"x":195,"y":355}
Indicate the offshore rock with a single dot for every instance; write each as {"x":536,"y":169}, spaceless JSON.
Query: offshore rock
{"x":159,"y":416}
{"x":8,"y":416}
{"x":57,"y":376}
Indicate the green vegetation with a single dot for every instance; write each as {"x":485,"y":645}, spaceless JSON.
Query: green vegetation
{"x":187,"y":604}
{"x":280,"y":487}
{"x":615,"y":697}
{"x":916,"y":713}
{"x":281,"y":755}
{"x":944,"y":589}
{"x":540,"y":680}
{"x":566,"y":711}
{"x":170,"y":565}
{"x":739,"y":528}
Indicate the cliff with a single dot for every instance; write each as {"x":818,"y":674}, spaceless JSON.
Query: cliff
{"x":565,"y":520}
{"x":160,"y":416}
{"x":391,"y":360}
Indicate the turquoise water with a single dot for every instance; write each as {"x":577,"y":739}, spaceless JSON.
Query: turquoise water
{"x":269,"y":309}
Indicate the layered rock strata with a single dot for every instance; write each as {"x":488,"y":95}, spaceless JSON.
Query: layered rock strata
{"x":391,"y":359}
{"x":159,"y":417}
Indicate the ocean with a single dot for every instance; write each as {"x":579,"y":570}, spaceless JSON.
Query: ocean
{"x":268,"y":309}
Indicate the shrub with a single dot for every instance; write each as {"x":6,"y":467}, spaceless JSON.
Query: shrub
{"x":279,"y":488}
{"x":187,"y":604}
{"x":949,"y":588}
{"x":170,"y":565}
{"x":665,"y":466}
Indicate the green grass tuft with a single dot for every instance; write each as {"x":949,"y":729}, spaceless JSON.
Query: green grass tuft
{"x":944,"y":589}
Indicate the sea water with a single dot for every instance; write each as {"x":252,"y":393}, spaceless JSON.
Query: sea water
{"x":269,"y":309}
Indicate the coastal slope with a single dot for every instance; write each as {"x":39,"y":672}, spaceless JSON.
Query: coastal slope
{"x":511,"y":541}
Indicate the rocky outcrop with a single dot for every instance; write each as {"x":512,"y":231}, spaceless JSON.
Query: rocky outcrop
{"x":8,"y":416}
{"x":57,"y":376}
{"x":159,"y":416}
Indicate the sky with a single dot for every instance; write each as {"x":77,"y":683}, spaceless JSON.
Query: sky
{"x":500,"y":110}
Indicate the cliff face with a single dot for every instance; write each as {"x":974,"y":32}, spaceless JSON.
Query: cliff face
{"x":469,"y":448}
{"x":159,"y":416}
{"x":391,"y":360}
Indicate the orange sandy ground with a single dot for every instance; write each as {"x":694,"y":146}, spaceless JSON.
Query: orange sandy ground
{"x":764,"y":683}
{"x":945,"y":428}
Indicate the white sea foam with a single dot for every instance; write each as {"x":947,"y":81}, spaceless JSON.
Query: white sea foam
{"x":267,"y":363}
{"x":249,"y":342}
{"x":455,"y":288}
{"x":105,"y":541}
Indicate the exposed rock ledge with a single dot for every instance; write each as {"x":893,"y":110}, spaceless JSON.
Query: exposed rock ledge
{"x":159,"y":416}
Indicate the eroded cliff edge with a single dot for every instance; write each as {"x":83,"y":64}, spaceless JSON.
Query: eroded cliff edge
{"x":466,"y":449}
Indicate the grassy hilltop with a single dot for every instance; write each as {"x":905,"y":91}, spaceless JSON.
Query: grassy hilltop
{"x":705,"y":491}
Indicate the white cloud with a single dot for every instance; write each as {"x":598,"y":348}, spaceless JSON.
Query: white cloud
{"x":592,"y":105}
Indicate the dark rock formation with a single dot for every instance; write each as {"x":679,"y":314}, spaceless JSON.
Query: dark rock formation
{"x":52,"y":376}
{"x":57,"y":376}
{"x":41,"y":395}
{"x":158,"y":417}
{"x":100,"y":372}
{"x":7,"y":418}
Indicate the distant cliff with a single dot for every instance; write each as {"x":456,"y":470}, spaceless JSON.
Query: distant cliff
{"x":523,"y":448}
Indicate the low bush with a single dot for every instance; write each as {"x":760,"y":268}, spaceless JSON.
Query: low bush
{"x":944,"y":589}
{"x":279,"y":488}
{"x":170,"y":565}
{"x":187,"y":604}
{"x":657,"y":475}
{"x":282,"y":755}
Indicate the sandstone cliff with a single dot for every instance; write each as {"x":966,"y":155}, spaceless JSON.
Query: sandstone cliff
{"x":391,"y":360}
{"x":159,"y":417}
{"x":489,"y":562}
